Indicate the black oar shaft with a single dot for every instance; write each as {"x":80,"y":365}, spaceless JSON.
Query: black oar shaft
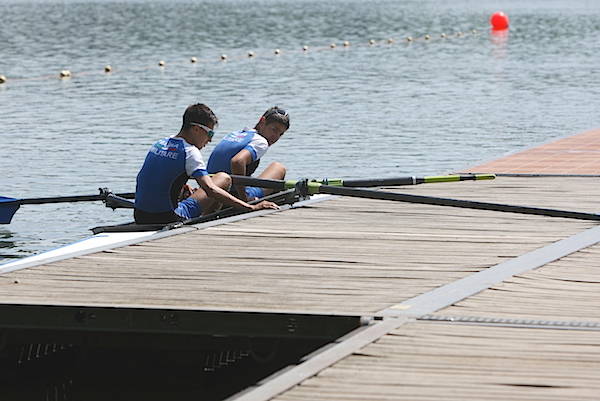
{"x":430,"y":200}
{"x":258,"y":182}
{"x":381,"y":182}
{"x":77,"y":198}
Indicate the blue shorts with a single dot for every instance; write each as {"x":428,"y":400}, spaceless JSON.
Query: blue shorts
{"x":188,"y":208}
{"x":254,"y":192}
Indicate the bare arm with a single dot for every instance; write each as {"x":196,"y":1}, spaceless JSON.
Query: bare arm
{"x":220,"y":195}
{"x":238,"y":167}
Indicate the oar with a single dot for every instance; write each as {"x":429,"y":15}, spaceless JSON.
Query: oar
{"x":9,"y":206}
{"x":374,"y":182}
{"x":431,"y":200}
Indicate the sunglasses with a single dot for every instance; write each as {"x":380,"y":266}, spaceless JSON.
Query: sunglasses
{"x":209,"y":131}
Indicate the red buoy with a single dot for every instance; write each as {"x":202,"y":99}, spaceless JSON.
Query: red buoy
{"x":499,"y":21}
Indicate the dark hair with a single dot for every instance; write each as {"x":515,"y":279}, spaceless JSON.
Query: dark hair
{"x":277,"y":115}
{"x":198,"y":113}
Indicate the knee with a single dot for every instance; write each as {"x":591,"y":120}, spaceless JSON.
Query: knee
{"x":223,"y":180}
{"x":280,"y":167}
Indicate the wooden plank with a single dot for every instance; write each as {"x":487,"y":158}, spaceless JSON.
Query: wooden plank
{"x":475,"y":283}
{"x":572,"y":193}
{"x":425,"y":361}
{"x":563,"y":290}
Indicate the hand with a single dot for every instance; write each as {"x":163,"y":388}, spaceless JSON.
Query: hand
{"x":186,"y":192}
{"x":265,"y":205}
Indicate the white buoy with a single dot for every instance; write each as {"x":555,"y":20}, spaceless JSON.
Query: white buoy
{"x":333,"y":45}
{"x":346,"y":43}
{"x":250,"y":54}
{"x":65,"y":74}
{"x":223,"y":57}
{"x":193,"y":60}
{"x":277,"y":51}
{"x":161,"y":63}
{"x":2,"y":79}
{"x":305,"y":48}
{"x":107,"y":68}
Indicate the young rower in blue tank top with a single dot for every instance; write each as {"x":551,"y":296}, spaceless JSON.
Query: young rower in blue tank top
{"x":239,"y":152}
{"x":170,"y":162}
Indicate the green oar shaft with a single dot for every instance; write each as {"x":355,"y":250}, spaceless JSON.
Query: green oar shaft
{"x":375,"y":182}
{"x":381,"y":182}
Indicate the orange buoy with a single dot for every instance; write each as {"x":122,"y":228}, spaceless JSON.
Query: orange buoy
{"x":499,"y":21}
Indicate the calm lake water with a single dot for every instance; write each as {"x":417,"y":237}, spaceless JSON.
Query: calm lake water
{"x":429,"y":107}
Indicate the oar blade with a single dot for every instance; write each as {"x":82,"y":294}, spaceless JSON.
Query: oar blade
{"x":8,"y":208}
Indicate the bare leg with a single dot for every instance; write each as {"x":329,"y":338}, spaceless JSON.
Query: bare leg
{"x":275,"y":171}
{"x":209,"y":205}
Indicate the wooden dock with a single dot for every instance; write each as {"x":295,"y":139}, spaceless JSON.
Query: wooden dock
{"x":433,"y":302}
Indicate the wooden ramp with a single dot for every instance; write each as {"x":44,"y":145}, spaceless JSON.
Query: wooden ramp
{"x":577,"y":154}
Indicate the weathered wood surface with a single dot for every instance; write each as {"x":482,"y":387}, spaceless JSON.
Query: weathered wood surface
{"x":568,"y":289}
{"x":579,"y":194}
{"x":575,"y":154}
{"x":437,"y":361}
{"x":349,"y":255}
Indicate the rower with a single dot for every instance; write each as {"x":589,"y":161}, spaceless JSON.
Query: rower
{"x":239,"y":152}
{"x":170,"y":162}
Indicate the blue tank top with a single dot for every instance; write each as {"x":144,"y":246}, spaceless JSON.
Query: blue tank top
{"x":167,"y":167}
{"x":231,"y":145}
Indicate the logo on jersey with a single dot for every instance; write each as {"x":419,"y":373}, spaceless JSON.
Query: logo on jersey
{"x":237,"y":136}
{"x":162,"y":149}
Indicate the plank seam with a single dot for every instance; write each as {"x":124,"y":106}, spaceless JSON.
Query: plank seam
{"x":516,"y":323}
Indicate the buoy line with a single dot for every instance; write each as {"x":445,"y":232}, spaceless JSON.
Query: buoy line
{"x":345,"y":45}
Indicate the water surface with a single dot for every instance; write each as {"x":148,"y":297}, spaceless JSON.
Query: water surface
{"x":429,"y":107}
